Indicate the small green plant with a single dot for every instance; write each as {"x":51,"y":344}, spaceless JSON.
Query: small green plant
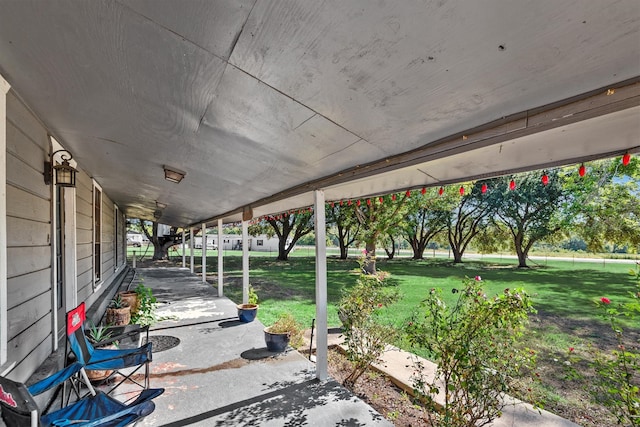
{"x":617,"y":383}
{"x":253,"y":296}
{"x":118,"y":302}
{"x":287,"y":324}
{"x":147,"y":305}
{"x":475,"y":344}
{"x":97,"y":333}
{"x":365,"y":338}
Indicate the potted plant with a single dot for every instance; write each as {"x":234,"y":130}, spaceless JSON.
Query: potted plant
{"x":131,"y":298}
{"x":98,"y":334}
{"x":248,"y":312}
{"x":118,"y":312}
{"x":283,"y":332}
{"x":145,"y":315}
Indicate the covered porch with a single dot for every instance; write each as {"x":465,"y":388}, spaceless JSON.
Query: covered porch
{"x":195,"y":114}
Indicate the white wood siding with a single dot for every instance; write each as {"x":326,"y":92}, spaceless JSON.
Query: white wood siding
{"x":29,"y":234}
{"x":29,"y":297}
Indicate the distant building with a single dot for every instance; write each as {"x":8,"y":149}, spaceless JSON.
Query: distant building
{"x":261,"y":243}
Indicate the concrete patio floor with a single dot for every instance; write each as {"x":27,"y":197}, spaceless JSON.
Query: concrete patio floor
{"x":220,"y":373}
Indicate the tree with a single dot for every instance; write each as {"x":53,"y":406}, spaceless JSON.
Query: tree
{"x":161,"y":244}
{"x":425,"y":217}
{"x":377,"y":218}
{"x":531,"y":211}
{"x":289,"y":227}
{"x":610,"y":204}
{"x":467,"y":218}
{"x":342,"y":216}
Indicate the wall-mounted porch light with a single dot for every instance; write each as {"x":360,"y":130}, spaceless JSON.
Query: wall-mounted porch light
{"x":173,"y":175}
{"x":65,"y":173}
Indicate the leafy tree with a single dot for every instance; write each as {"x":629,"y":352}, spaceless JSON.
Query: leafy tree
{"x":378,"y":217}
{"x":425,"y":218}
{"x":532,"y":211}
{"x":467,"y":218}
{"x":342,"y":216}
{"x":609,"y":200}
{"x":289,"y":227}
{"x":161,"y":244}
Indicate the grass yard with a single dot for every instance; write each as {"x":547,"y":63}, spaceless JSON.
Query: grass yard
{"x":560,"y":288}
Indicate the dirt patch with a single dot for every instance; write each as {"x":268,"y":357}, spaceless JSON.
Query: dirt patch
{"x":379,"y":392}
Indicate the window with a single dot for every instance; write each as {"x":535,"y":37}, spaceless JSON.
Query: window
{"x":259,"y":242}
{"x":97,"y":234}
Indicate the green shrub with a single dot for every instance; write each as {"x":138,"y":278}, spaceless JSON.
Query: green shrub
{"x":365,"y":338}
{"x":475,"y":344}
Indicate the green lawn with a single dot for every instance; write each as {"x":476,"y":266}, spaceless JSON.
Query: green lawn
{"x":562,"y":288}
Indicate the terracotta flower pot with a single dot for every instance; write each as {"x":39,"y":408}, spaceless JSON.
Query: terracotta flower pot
{"x":118,"y":316}
{"x":131,"y":298}
{"x":98,"y":375}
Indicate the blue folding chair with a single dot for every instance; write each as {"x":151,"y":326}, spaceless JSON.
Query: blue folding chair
{"x":19,"y":408}
{"x":115,"y":360}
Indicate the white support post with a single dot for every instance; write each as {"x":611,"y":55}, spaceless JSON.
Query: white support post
{"x":220,"y":261}
{"x":184,"y":249}
{"x":4,"y":88}
{"x":191,"y":249}
{"x":322,"y":328}
{"x":204,"y":253}
{"x":245,"y":262}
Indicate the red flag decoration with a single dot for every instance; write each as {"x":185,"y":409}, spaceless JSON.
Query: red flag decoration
{"x":512,"y":185}
{"x":626,"y":159}
{"x":393,"y":197}
{"x":545,"y":179}
{"x":440,"y":191}
{"x":461,"y":190}
{"x":408,"y":193}
{"x":484,"y":188}
{"x":423,"y":191}
{"x":582,"y":170}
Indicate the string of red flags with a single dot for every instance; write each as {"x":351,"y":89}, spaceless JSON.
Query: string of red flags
{"x":371,"y":201}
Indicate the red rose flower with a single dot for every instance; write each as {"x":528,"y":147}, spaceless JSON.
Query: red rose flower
{"x":605,"y":300}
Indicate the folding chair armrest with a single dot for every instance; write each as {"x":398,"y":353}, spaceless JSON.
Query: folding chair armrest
{"x":104,"y":359}
{"x":55,"y":379}
{"x":124,"y":332}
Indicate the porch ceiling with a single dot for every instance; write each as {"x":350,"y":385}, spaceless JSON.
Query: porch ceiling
{"x":261,"y":101}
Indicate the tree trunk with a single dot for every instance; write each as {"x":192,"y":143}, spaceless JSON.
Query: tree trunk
{"x":344,"y":248}
{"x":520,"y":251}
{"x":283,"y":254}
{"x":391,"y":253}
{"x":457,"y":255}
{"x":369,"y":266}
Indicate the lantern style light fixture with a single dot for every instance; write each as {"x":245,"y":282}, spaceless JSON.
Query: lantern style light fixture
{"x":173,"y":175}
{"x":65,"y":173}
